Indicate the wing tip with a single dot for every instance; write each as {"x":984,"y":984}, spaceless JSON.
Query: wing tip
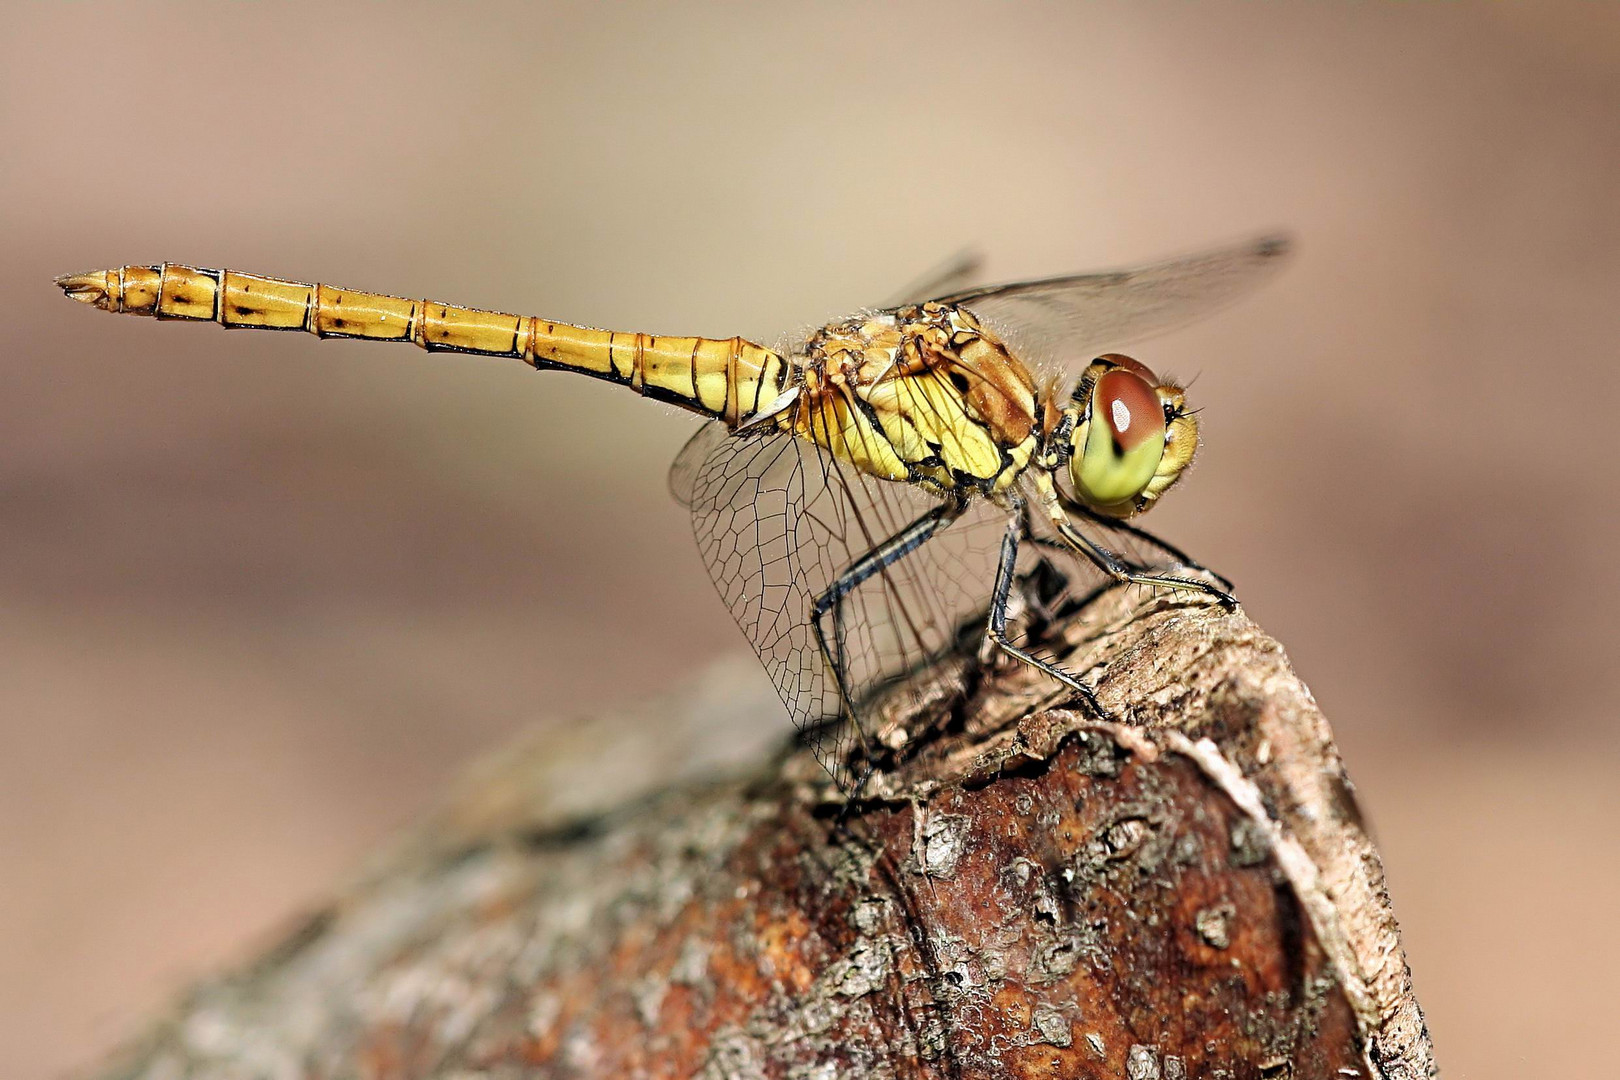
{"x":1273,"y":246}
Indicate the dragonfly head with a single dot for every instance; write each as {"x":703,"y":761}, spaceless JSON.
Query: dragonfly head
{"x":1131,"y":436}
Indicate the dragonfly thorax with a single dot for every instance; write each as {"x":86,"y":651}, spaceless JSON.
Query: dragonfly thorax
{"x":921,"y":394}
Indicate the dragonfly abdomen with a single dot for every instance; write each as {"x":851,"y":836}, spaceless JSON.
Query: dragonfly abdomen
{"x":727,"y":378}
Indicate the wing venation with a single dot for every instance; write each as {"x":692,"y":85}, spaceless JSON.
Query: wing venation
{"x":778,"y":521}
{"x":1061,"y":323}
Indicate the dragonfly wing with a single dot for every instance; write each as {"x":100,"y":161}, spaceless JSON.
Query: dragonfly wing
{"x":778,"y":522}
{"x":951,"y":275}
{"x":683,"y":473}
{"x":1060,"y":324}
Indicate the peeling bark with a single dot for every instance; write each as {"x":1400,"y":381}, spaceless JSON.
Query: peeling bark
{"x":1026,"y":893}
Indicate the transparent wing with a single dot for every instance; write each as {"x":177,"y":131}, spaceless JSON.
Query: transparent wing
{"x":683,"y":473}
{"x":778,"y":522}
{"x":950,"y":275}
{"x":1061,"y":323}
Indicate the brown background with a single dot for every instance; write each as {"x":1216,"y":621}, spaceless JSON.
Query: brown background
{"x":261,"y":597}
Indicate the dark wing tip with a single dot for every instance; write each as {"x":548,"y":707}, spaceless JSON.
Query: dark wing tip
{"x":1276,"y":245}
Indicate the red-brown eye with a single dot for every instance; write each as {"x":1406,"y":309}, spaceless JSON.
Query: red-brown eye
{"x":1120,"y":360}
{"x":1130,"y":407}
{"x":1119,"y":447}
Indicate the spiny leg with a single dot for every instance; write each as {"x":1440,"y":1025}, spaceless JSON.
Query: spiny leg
{"x":879,"y":558}
{"x":1045,"y":544}
{"x":1180,"y":557}
{"x":996,"y":630}
{"x":1120,"y":571}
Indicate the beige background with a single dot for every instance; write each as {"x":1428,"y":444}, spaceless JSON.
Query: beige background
{"x":260,"y":597}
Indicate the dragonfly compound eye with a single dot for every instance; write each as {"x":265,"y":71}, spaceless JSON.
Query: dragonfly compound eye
{"x":1120,"y":360}
{"x":1124,"y":440}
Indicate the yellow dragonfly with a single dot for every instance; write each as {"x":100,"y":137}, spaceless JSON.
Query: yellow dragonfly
{"x":892,"y":489}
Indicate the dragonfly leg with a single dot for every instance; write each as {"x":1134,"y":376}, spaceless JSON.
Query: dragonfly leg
{"x":1006,"y":572}
{"x":1181,"y":558}
{"x":874,"y":562}
{"x":1044,"y":544}
{"x":1120,"y":571}
{"x":1110,"y":563}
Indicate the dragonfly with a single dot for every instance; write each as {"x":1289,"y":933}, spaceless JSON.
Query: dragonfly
{"x":878,"y":494}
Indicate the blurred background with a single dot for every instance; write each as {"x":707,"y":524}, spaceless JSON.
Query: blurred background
{"x":262,"y":597}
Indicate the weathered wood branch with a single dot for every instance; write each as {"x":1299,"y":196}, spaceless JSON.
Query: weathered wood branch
{"x":1034,"y":894}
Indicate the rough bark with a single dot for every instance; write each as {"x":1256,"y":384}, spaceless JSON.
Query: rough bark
{"x":1027,"y":893}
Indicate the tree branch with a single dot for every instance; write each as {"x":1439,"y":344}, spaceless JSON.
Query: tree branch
{"x":1027,"y":893}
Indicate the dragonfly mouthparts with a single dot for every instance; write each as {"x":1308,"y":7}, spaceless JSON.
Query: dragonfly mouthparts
{"x":88,"y":288}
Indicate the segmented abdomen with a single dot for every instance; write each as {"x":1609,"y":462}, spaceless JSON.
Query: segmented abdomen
{"x":727,"y":378}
